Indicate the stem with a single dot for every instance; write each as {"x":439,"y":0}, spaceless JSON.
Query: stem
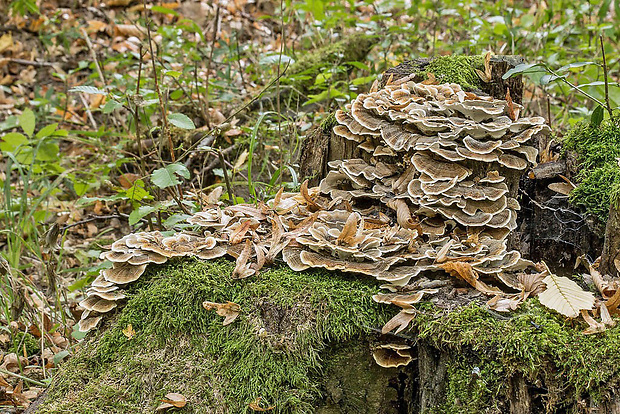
{"x":161,"y":100}
{"x":282,"y":40}
{"x":136,"y":116}
{"x":214,"y":35}
{"x":611,"y":115}
{"x":35,"y":382}
{"x":229,"y":188}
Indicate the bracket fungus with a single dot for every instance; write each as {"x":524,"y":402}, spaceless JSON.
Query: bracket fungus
{"x":429,"y":207}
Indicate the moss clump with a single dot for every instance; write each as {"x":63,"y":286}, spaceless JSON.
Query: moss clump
{"x":328,"y":123}
{"x":543,"y":347}
{"x":273,"y":350}
{"x":598,"y":148}
{"x":457,"y":69}
{"x":24,"y":339}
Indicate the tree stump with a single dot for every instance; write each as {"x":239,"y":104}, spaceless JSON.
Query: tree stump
{"x":323,"y":146}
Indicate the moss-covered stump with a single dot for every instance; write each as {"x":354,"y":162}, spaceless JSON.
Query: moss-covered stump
{"x":303,"y":341}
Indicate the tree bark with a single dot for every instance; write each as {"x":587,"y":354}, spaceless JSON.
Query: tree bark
{"x":610,"y":259}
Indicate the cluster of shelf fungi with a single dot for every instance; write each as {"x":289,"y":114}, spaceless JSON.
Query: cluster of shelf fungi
{"x":426,"y":208}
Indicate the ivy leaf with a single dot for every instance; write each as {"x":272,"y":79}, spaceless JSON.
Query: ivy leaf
{"x":597,"y":116}
{"x":167,"y":176}
{"x":141,"y":212}
{"x":181,"y":121}
{"x":27,"y":121}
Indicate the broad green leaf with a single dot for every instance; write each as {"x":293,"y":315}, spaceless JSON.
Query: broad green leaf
{"x":360,"y":65}
{"x":92,"y":90}
{"x":172,"y":73}
{"x":181,"y":121}
{"x":547,"y":79}
{"x":141,"y":212}
{"x":111,"y":106}
{"x":575,"y":65}
{"x":11,"y":141}
{"x":167,"y":176}
{"x":27,"y":121}
{"x":47,"y":131}
{"x":137,"y":192}
{"x":60,"y":356}
{"x":48,"y":151}
{"x":521,"y":68}
{"x":164,"y":10}
{"x":597,"y":116}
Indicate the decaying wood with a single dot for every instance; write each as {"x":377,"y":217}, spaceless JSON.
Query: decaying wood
{"x":610,"y":259}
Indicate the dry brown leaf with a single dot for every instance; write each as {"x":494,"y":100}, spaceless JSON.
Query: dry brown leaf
{"x":242,"y":268}
{"x":255,"y":405}
{"x":228,"y":310}
{"x":128,"y":30}
{"x":594,"y":326}
{"x":562,"y":188}
{"x":6,"y":41}
{"x":176,"y":399}
{"x":430,"y":79}
{"x":511,"y":107}
{"x":613,"y":302}
{"x":312,"y":205}
{"x":399,"y":322}
{"x":237,"y":236}
{"x":349,"y":231}
{"x":129,"y":332}
{"x":466,"y":272}
{"x":532,"y":284}
{"x":3,"y":382}
{"x":504,"y":304}
{"x":565,"y":296}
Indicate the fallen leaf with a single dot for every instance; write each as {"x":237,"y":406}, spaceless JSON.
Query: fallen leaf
{"x":594,"y":326}
{"x":229,"y":310}
{"x":565,"y":296}
{"x":129,"y":332}
{"x":176,"y":399}
{"x":399,"y":322}
{"x":255,"y":405}
{"x":466,"y":272}
{"x":511,"y":107}
{"x":562,"y":188}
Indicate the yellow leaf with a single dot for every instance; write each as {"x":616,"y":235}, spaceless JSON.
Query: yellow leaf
{"x":129,"y":332}
{"x":255,"y":405}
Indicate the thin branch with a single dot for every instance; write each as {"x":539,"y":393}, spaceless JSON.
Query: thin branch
{"x":611,"y":115}
{"x":156,"y":77}
{"x":214,"y":35}
{"x":231,"y":194}
{"x":238,"y":111}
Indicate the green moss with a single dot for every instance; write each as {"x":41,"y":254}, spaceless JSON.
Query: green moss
{"x":329,"y":122}
{"x":21,"y":340}
{"x":457,"y":69}
{"x":541,"y":346}
{"x":273,"y":350}
{"x":598,"y":148}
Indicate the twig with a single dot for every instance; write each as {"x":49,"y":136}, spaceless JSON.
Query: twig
{"x":88,"y":220}
{"x":136,"y":115}
{"x":161,"y":100}
{"x":611,"y":115}
{"x":87,"y":109}
{"x":214,"y":34}
{"x":278,"y":107}
{"x":214,"y":163}
{"x":94,"y":56}
{"x":212,"y":130}
{"x":231,"y":195}
{"x":31,"y":63}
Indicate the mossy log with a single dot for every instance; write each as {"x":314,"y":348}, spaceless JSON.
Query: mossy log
{"x":303,"y":342}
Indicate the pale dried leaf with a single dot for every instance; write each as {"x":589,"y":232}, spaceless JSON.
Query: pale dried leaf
{"x":399,"y":322}
{"x":565,"y":296}
{"x":255,"y":405}
{"x":228,"y":310}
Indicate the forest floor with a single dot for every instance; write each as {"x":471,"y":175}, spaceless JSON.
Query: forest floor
{"x":121,"y":115}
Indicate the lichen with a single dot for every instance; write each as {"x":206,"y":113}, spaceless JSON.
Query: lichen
{"x":598,"y":148}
